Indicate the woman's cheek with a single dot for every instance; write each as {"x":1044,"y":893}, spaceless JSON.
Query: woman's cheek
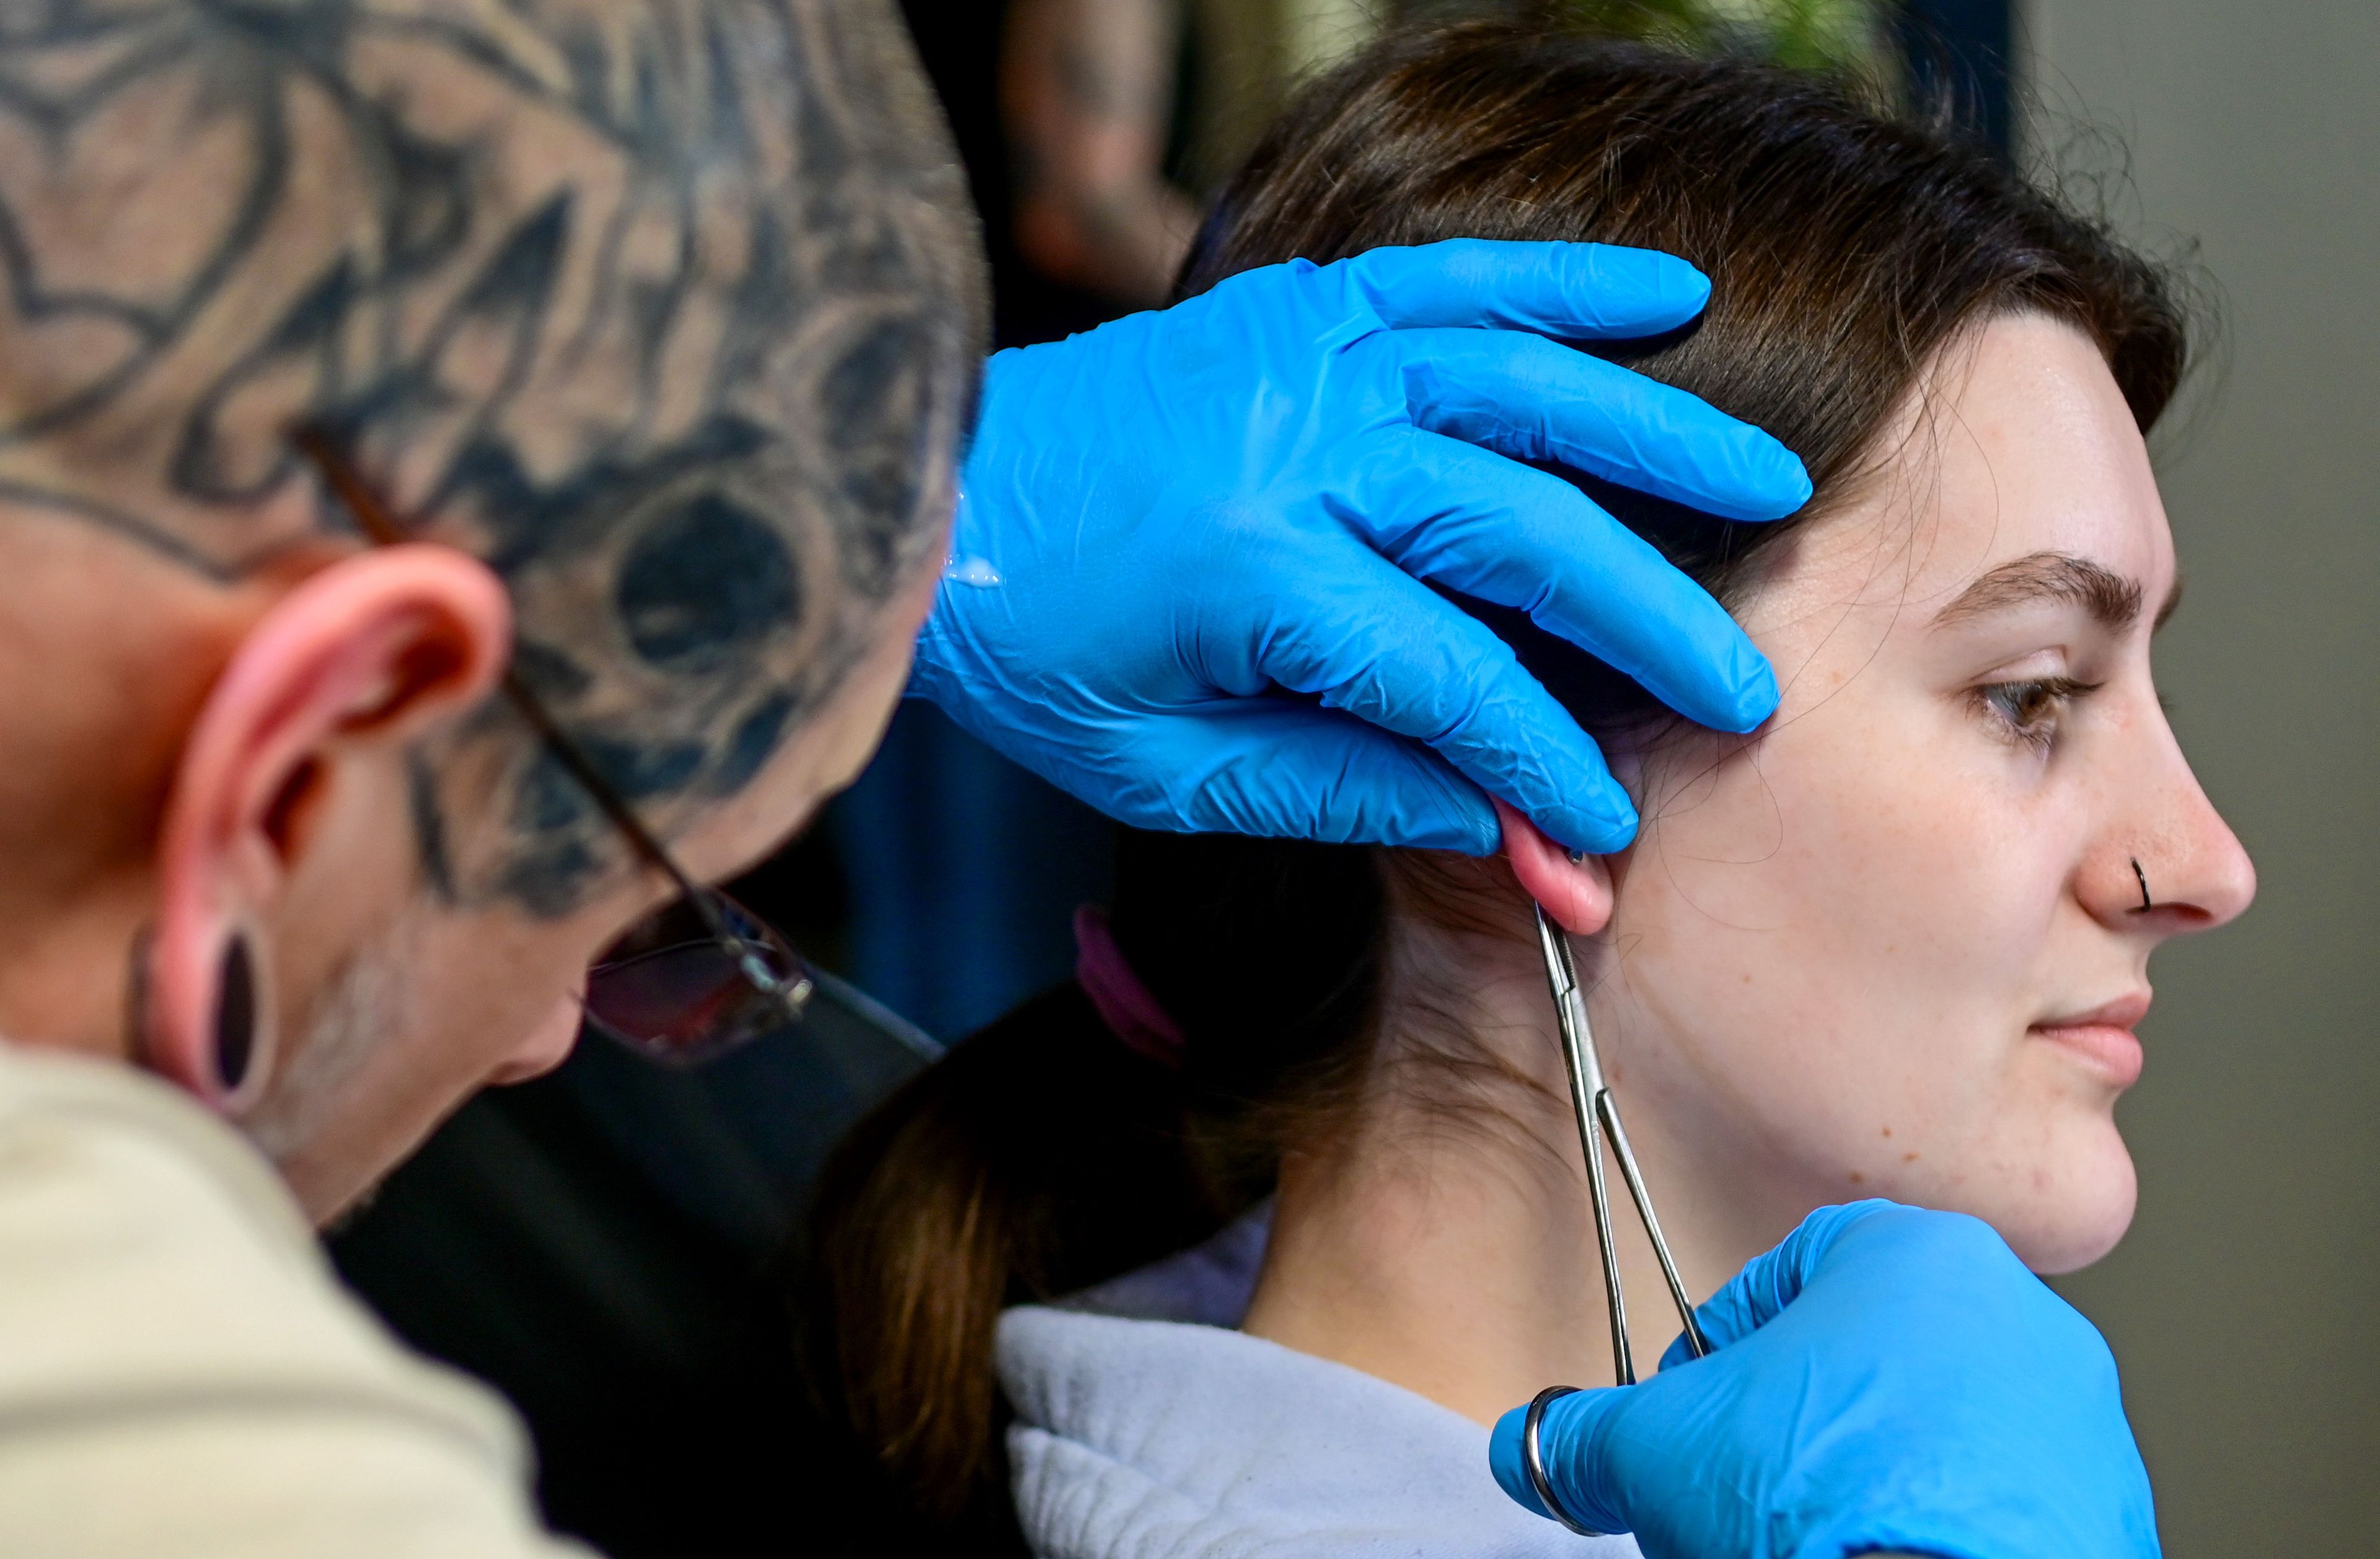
{"x":1752,"y":1028}
{"x":1836,"y":950}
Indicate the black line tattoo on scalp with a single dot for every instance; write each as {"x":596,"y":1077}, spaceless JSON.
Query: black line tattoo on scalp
{"x":667,"y":308}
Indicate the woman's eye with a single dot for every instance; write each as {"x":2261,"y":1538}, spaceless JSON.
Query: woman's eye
{"x":2030,"y":710}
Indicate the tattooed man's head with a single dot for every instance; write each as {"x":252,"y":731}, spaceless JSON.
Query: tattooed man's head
{"x":665,"y":312}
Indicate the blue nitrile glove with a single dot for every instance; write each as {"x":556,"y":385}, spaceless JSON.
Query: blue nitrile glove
{"x":1186,"y":579}
{"x":1887,"y":1380}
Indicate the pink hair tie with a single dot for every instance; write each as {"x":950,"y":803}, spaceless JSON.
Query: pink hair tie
{"x":1123,"y":1003}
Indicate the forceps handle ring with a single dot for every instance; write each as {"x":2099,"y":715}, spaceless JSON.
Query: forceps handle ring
{"x":1532,"y":1461}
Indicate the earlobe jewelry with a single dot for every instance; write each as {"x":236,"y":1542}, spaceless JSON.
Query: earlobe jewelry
{"x":235,"y":1029}
{"x":213,"y":1035}
{"x":238,"y":1036}
{"x":2142,"y":877}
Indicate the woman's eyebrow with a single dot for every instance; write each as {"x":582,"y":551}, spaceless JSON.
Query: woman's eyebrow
{"x":2113,"y":601}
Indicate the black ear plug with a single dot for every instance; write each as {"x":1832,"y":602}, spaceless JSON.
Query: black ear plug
{"x":1578,"y":857}
{"x":234,"y":1014}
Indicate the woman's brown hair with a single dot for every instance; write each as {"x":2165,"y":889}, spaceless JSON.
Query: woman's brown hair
{"x":1846,"y":249}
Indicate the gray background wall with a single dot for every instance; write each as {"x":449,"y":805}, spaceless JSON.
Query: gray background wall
{"x":2246,"y":1304}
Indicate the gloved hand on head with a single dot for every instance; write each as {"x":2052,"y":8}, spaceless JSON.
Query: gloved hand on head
{"x":1191,"y":574}
{"x":1888,"y":1379}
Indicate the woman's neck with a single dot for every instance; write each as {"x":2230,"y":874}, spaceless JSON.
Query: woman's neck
{"x":1446,"y":1244}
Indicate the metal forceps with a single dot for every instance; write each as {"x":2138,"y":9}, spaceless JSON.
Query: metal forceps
{"x":1591,"y":1099}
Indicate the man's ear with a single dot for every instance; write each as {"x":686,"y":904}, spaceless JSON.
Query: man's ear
{"x":1577,"y":894}
{"x":370,"y":651}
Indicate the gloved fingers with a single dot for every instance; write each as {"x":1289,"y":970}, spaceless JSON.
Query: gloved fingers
{"x":1574,"y":1441}
{"x":1775,"y":1277}
{"x":1578,"y":292}
{"x":1536,"y":399}
{"x":1913,"y":1252}
{"x":1750,"y":1299}
{"x":1278,"y":769}
{"x":1364,"y":637}
{"x":1504,"y":533}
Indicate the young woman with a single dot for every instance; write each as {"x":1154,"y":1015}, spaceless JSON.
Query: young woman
{"x":1894,"y":943}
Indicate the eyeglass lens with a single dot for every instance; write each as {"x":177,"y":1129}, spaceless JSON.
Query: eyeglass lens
{"x":673,"y":989}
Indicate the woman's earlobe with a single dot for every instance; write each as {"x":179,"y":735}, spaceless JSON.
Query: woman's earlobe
{"x":1574,"y":889}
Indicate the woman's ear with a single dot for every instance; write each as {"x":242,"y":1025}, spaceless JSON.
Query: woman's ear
{"x":351,"y":665}
{"x":1577,"y":894}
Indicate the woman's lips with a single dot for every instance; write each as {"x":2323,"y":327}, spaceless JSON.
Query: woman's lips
{"x":2102,"y":1037}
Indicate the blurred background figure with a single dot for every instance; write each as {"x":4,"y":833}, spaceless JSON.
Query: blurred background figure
{"x":595,"y":1242}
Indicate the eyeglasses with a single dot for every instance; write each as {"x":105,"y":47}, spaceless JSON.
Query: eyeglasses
{"x":699,"y":976}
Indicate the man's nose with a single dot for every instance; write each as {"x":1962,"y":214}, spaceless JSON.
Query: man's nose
{"x":545,"y":1047}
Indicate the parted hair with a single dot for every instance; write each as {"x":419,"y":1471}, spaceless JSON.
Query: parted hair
{"x":1847,"y":245}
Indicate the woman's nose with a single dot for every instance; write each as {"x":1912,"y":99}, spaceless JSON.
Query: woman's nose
{"x":2171,"y":865}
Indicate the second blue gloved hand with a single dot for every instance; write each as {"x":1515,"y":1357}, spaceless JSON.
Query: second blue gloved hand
{"x":1188,"y":575}
{"x":1887,"y":1380}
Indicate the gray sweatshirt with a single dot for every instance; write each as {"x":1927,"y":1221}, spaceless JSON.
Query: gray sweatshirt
{"x":1147,"y":1427}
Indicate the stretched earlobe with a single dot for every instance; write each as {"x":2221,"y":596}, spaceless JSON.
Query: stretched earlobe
{"x":1574,"y":888}
{"x":204,"y":1014}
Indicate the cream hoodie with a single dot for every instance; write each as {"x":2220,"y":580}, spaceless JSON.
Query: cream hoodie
{"x":180,"y":1373}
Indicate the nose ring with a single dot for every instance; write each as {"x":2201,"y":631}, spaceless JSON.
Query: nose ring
{"x":2142,"y":877}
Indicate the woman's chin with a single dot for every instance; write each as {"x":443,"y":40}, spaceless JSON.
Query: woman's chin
{"x":2079,"y":1215}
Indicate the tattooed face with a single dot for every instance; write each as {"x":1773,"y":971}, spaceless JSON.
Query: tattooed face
{"x":668,"y":310}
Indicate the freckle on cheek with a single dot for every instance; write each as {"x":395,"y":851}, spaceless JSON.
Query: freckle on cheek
{"x":1908,"y":1158}
{"x":1887,"y":1130}
{"x":1858,"y":1179}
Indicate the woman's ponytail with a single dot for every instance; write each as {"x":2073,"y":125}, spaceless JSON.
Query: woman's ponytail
{"x":1048,"y":1152}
